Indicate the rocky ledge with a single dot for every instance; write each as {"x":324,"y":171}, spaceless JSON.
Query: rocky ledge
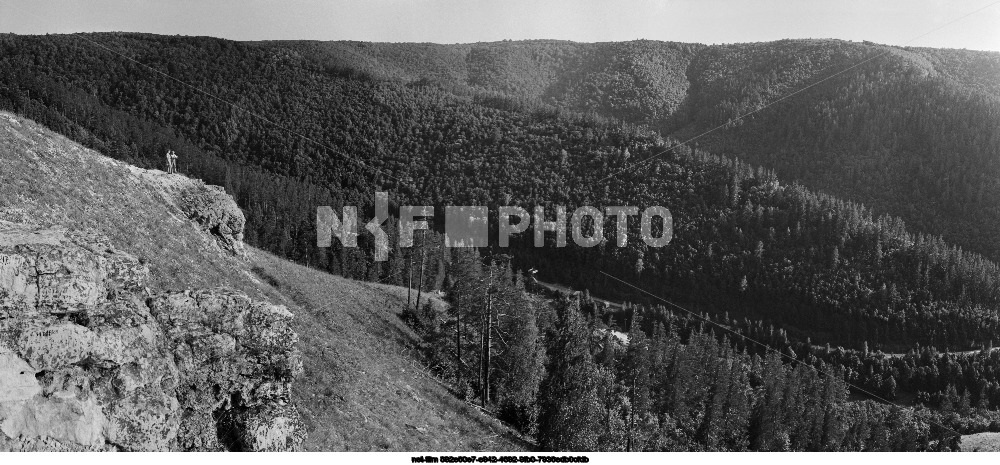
{"x":91,"y":360}
{"x":217,"y":213}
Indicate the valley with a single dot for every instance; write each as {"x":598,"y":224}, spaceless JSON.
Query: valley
{"x":842,"y":236}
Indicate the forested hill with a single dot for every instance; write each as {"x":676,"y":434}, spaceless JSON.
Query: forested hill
{"x":306,"y":132}
{"x":641,"y":82}
{"x":911,"y":131}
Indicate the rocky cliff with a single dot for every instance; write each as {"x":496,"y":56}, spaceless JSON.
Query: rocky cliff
{"x":129,"y":319}
{"x":127,"y":323}
{"x":91,"y":359}
{"x":209,"y":207}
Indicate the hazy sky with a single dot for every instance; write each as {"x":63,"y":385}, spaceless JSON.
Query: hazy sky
{"x":450,"y":21}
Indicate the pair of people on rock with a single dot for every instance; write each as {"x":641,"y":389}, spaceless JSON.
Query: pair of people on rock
{"x":171,"y":162}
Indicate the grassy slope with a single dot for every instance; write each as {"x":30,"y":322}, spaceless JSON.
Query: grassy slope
{"x":48,"y":179}
{"x":362,"y":390}
{"x":981,"y":442}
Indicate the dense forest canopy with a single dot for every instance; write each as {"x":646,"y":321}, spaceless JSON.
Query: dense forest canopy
{"x":760,"y":246}
{"x":287,"y":132}
{"x":908,"y":131}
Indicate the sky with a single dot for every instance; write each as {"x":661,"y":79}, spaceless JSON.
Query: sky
{"x":897,"y":22}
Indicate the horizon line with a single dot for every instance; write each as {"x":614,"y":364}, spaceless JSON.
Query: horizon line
{"x":713,"y":44}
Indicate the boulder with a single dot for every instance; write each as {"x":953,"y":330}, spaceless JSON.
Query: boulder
{"x":208,"y":206}
{"x":237,"y":360}
{"x":217,"y":213}
{"x":49,"y":271}
{"x":90,"y":360}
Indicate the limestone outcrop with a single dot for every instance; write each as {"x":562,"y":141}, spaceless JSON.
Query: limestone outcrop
{"x":90,"y":360}
{"x":217,"y":213}
{"x":208,"y":206}
{"x":236,"y":360}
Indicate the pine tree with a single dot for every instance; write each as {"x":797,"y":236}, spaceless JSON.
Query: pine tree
{"x":636,"y":377}
{"x":569,"y":407}
{"x":464,"y":294}
{"x":521,"y":363}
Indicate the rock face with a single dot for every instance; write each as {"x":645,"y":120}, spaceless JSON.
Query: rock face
{"x":217,"y":213}
{"x":214,"y":211}
{"x":90,"y":361}
{"x":236,"y":360}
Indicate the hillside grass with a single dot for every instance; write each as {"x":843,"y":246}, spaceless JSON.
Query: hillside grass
{"x":49,"y":180}
{"x":981,"y":442}
{"x":364,"y":387}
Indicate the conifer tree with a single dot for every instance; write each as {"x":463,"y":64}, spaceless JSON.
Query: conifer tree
{"x":569,"y":407}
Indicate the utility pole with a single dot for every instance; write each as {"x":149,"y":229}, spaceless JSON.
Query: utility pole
{"x":409,"y":279}
{"x":458,"y":340}
{"x":631,"y":415}
{"x":423,"y":253}
{"x":487,"y":339}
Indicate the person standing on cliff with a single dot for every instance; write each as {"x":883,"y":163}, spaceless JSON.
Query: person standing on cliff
{"x":171,"y":162}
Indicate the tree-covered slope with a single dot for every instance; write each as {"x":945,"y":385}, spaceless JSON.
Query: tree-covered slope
{"x":908,"y":131}
{"x":642,"y":82}
{"x":911,"y":132}
{"x":304,"y":133}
